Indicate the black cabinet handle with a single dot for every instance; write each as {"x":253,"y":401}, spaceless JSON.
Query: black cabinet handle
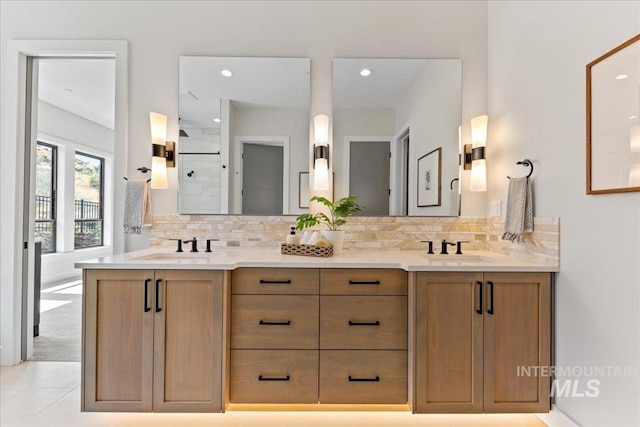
{"x":376,"y":379}
{"x":355,"y":282}
{"x":275,"y":282}
{"x":261,"y":378}
{"x":352,"y":323}
{"x":158,"y":309}
{"x":490,"y":310}
{"x":284,"y":323}
{"x":146,"y":295}
{"x":479,"y":283}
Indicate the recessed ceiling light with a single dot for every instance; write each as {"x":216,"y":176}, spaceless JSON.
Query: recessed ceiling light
{"x":365,"y":72}
{"x":68,"y":90}
{"x":621,"y":76}
{"x":633,"y":117}
{"x":217,"y":120}
{"x":226,"y":73}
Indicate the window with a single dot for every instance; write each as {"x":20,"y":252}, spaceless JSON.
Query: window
{"x":88,"y":203}
{"x":46,"y":165}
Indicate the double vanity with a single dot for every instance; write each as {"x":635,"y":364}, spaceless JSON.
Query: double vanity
{"x":383,"y":329}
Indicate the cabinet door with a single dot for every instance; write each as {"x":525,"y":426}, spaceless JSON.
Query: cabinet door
{"x":448,"y":342}
{"x":117,"y":367}
{"x":516,"y":334}
{"x":188,"y":341}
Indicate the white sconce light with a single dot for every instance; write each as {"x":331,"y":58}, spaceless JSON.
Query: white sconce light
{"x":478,"y":162}
{"x":634,"y":147}
{"x":321,"y":152}
{"x":162,"y":151}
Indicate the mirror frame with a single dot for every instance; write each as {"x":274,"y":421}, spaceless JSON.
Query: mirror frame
{"x":589,"y":67}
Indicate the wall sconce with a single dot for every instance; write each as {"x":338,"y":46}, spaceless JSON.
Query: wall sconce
{"x":321,"y":152}
{"x":162,"y":151}
{"x":478,"y":162}
{"x":634,"y":147}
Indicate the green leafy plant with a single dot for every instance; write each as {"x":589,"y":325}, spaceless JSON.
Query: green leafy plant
{"x":338,"y":212}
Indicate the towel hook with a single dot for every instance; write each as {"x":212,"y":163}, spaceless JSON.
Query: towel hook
{"x":525,"y":162}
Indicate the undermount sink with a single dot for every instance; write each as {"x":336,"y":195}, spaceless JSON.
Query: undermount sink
{"x":456,"y":258}
{"x":175,"y":256}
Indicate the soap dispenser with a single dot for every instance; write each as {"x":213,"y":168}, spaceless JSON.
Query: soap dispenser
{"x":292,"y":238}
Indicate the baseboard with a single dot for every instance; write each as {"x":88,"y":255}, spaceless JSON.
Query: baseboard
{"x":556,"y":418}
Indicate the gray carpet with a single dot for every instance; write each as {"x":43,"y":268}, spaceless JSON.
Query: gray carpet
{"x":60,"y":328}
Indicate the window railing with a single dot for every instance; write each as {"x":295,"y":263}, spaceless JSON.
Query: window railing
{"x":88,"y":224}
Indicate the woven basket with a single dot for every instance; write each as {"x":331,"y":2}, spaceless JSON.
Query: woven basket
{"x":307,"y":250}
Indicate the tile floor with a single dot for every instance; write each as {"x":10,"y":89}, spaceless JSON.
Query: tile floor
{"x":47,"y":394}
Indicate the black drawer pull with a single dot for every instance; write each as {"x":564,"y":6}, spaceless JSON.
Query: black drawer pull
{"x":355,"y":282}
{"x":283,"y":323}
{"x":261,"y":378}
{"x":371,"y":380}
{"x":352,"y":323}
{"x":146,"y":295}
{"x":158,"y":308}
{"x":275,"y":282}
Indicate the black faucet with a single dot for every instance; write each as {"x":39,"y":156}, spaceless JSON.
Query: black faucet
{"x":430,"y":251}
{"x":443,"y":250}
{"x":194,"y":244}
{"x":179,"y":244}
{"x":209,"y":244}
{"x":459,"y":246}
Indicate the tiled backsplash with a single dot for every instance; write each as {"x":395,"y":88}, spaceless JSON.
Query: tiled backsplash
{"x":364,"y":233}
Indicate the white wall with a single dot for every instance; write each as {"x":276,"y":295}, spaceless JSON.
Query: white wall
{"x":537,"y":57}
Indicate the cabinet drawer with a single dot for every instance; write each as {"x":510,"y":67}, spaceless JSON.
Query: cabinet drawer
{"x":355,"y":322}
{"x":298,"y":281}
{"x":362,"y":376}
{"x":274,"y":321}
{"x":274,"y":376}
{"x":363,"y":281}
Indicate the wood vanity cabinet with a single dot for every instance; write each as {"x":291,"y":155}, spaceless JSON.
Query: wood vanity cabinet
{"x":152,"y":340}
{"x":473,"y":331}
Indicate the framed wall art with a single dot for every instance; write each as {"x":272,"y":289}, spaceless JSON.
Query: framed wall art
{"x":429,"y":179}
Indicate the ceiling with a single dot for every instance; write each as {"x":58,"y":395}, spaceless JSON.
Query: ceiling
{"x":82,"y":86}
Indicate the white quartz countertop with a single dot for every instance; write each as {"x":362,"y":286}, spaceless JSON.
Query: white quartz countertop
{"x":232,"y":258}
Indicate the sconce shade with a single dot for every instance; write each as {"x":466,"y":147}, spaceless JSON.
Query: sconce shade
{"x":479,"y":163}
{"x":158,"y":128}
{"x":158,"y":160}
{"x":321,"y":175}
{"x":321,"y":129}
{"x":159,"y":173}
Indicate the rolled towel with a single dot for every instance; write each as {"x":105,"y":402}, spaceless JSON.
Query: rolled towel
{"x":519,"y":215}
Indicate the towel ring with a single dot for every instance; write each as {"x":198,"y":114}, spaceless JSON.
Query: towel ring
{"x":525,"y":162}
{"x":452,"y":181}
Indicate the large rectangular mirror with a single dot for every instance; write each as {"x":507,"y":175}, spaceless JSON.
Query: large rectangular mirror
{"x":244,"y":134}
{"x":389,"y":116}
{"x":613,"y":123}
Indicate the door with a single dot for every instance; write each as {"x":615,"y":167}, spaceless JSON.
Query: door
{"x":188,"y":344}
{"x":369,"y":176}
{"x":262,"y":179}
{"x":449,"y":343}
{"x":118,"y":340}
{"x":517,"y":328}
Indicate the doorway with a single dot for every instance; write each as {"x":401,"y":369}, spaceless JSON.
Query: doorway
{"x":262,"y":175}
{"x":69,"y":150}
{"x":369,"y":172}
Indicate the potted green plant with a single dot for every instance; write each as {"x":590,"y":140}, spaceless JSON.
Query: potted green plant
{"x":337,"y":217}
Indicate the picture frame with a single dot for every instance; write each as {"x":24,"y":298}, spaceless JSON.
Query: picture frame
{"x":303,"y":190}
{"x":429,"y":179}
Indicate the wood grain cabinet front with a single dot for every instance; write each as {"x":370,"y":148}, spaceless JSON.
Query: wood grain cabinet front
{"x":473,"y":333}
{"x":274,"y":376}
{"x":152,"y":340}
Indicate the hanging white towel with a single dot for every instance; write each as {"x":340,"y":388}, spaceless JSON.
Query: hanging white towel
{"x":519,"y":215}
{"x":137,"y":206}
